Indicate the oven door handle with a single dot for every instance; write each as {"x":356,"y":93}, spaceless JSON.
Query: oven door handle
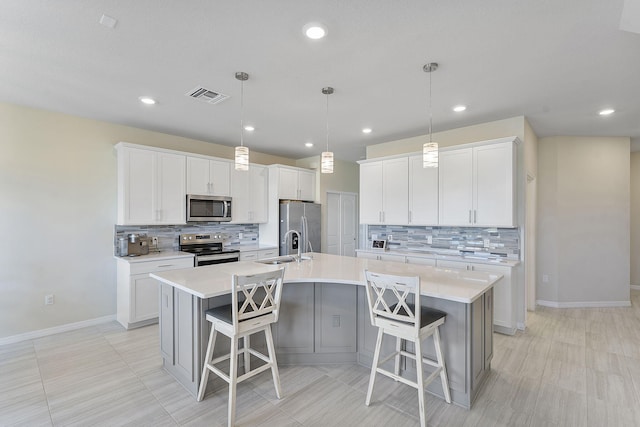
{"x":217,"y":257}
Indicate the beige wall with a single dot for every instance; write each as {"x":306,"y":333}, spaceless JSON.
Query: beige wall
{"x":530,"y":221}
{"x":58,"y":210}
{"x":484,"y":131}
{"x":345,"y":178}
{"x":635,"y":218}
{"x":583,"y":217}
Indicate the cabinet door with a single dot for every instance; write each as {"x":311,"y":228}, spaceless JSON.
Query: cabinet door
{"x":166,"y":322}
{"x":138,"y":183}
{"x":219,"y":177}
{"x":198,"y":176}
{"x":335,"y":318}
{"x":367,"y":255}
{"x":241,"y":196}
{"x":457,"y":265}
{"x":144,"y":298}
{"x":421,"y":260}
{"x":395,"y":191}
{"x":307,"y":185}
{"x":371,"y":193}
{"x":503,"y":302}
{"x":171,"y":193}
{"x":392,"y":258}
{"x":287,"y":183}
{"x":293,"y":333}
{"x":493,"y":185}
{"x":259,"y":176}
{"x":455,"y":182}
{"x":488,"y":329}
{"x":423,"y":193}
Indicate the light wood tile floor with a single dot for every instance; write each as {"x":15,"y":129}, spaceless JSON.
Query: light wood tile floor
{"x":572,"y":367}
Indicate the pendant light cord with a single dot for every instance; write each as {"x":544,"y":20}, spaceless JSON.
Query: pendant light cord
{"x":327,"y":123}
{"x":242,"y":113}
{"x":430,"y":109}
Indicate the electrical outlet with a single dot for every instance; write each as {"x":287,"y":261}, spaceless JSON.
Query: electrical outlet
{"x":390,"y":237}
{"x":48,"y":300}
{"x":154,"y":241}
{"x":429,"y":240}
{"x":240,"y":235}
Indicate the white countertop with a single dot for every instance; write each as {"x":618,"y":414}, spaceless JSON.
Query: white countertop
{"x":155,"y":256}
{"x":215,"y":280}
{"x":447,"y":256}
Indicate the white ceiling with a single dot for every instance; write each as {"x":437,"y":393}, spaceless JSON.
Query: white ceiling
{"x":556,"y":62}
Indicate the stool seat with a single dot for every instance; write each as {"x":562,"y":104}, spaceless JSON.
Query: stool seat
{"x":392,"y":308}
{"x":255,"y":305}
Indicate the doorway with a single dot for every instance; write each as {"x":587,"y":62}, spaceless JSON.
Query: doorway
{"x":342,"y":223}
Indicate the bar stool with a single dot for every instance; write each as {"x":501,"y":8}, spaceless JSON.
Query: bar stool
{"x":394,"y":314}
{"x":255,"y":303}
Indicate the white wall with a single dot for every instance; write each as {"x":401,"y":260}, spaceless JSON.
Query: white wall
{"x":635,"y":218}
{"x":58,"y":210}
{"x":583,"y":215}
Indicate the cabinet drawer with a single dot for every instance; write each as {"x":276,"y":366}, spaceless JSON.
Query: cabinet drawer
{"x":160,"y":265}
{"x":248,"y":256}
{"x":268,"y":253}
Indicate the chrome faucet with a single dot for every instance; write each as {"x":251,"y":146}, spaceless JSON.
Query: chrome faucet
{"x":286,"y":237}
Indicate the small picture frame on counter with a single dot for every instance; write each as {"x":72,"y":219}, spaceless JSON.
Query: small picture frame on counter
{"x":379,"y":244}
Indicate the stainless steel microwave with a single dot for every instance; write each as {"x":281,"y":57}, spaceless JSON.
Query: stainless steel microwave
{"x":208,"y":208}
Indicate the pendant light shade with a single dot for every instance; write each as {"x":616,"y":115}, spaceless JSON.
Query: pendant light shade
{"x":326,"y":159}
{"x":430,"y":149}
{"x":242,"y":152}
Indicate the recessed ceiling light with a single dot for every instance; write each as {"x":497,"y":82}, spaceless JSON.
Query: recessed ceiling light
{"x":607,"y":111}
{"x":249,"y":128}
{"x":147,"y":100}
{"x":314,"y":30}
{"x":108,"y":21}
{"x":459,"y":108}
{"x":308,"y":144}
{"x":366,"y":130}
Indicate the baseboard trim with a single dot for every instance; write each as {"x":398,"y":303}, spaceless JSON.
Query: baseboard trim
{"x":56,"y":330}
{"x":583,"y":304}
{"x":635,"y":287}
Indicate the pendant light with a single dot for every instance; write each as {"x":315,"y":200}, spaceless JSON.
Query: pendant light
{"x":326,"y":159}
{"x":242,"y":152}
{"x":430,"y":149}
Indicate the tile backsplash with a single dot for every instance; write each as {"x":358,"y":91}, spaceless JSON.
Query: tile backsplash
{"x":168,"y":235}
{"x":503,"y":242}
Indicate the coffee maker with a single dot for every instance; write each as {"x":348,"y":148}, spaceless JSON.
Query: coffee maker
{"x":133,"y":245}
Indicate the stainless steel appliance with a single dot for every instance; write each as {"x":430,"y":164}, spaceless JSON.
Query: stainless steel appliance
{"x":133,"y":245}
{"x":208,"y":208}
{"x":208,"y":249}
{"x":303,"y":217}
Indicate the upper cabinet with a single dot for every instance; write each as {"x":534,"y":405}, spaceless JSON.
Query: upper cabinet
{"x":208,"y":177}
{"x":296,"y":183}
{"x":476,"y":186}
{"x":151,"y":186}
{"x":423,"y":193}
{"x":384,"y":187}
{"x":249,"y":191}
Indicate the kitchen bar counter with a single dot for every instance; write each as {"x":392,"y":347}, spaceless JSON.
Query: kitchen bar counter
{"x":324,"y":317}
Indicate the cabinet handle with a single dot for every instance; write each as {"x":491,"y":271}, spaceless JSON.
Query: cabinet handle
{"x":165,"y":265}
{"x":475,"y":216}
{"x":470,"y":217}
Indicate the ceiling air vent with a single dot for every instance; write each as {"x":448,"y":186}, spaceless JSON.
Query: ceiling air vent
{"x":207,"y":95}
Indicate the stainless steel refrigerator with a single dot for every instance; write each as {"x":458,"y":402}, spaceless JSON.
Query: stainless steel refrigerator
{"x":304,"y":217}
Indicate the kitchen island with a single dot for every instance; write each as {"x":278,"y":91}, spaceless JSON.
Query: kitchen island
{"x":324,"y":316}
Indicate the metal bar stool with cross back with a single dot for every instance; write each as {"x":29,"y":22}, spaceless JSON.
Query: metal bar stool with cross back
{"x":391,"y":310}
{"x":255,"y":305}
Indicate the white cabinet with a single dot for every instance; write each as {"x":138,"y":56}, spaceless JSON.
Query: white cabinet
{"x":151,"y":187}
{"x":258,"y":254}
{"x":381,"y":256}
{"x":268,"y":253}
{"x":208,"y":176}
{"x":138,"y":299}
{"x":296,"y":183}
{"x":420,"y":260}
{"x":423,"y":193}
{"x":249,"y":195}
{"x":504,"y":296}
{"x":476,"y":186}
{"x":384,"y":188}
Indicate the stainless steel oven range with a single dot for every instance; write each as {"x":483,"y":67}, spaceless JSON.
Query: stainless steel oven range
{"x":208,"y":249}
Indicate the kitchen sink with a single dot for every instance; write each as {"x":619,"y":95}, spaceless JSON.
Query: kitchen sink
{"x":282,"y":260}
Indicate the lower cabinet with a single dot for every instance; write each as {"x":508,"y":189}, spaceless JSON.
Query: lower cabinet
{"x":137,"y":293}
{"x":258,"y":254}
{"x":317,"y":323}
{"x":504,"y":295}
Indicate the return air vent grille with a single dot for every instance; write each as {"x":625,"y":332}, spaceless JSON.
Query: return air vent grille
{"x":206,"y":95}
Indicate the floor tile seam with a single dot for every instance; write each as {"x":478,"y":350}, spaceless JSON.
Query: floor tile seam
{"x":138,"y":377}
{"x":44,"y":389}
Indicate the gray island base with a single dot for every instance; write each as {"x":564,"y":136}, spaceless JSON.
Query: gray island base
{"x":324,"y":317}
